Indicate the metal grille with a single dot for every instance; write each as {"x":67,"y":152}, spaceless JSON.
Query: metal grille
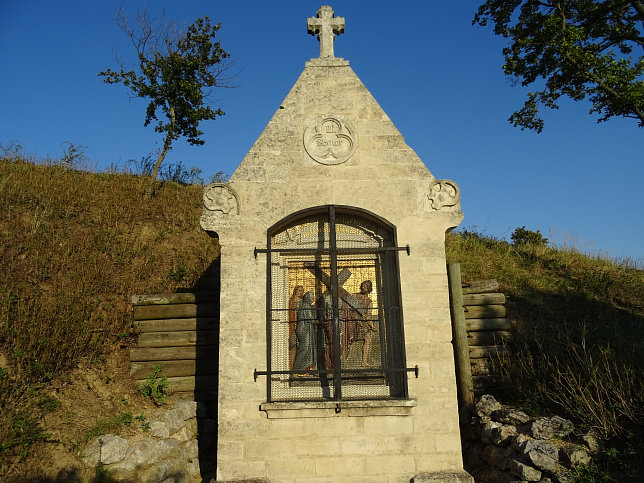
{"x":334,"y":323}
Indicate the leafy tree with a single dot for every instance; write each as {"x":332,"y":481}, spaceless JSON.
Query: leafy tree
{"x":523,"y":236}
{"x":175,"y":71}
{"x":574,"y":48}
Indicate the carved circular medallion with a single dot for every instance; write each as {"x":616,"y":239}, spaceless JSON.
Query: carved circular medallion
{"x":330,"y":141}
{"x":442,"y":193}
{"x":220,"y":199}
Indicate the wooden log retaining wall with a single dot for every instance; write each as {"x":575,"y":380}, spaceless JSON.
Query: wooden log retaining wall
{"x":179,"y":332}
{"x":480,"y":318}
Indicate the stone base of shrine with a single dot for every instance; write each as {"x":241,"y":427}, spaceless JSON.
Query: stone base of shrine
{"x":447,"y":477}
{"x":451,"y":477}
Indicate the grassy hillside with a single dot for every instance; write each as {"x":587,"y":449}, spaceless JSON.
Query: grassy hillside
{"x":578,"y":339}
{"x":74,"y":246}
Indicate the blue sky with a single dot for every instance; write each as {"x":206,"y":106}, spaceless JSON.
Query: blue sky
{"x":437,"y":77}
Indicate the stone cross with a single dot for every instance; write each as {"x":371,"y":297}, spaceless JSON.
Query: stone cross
{"x":326,"y":26}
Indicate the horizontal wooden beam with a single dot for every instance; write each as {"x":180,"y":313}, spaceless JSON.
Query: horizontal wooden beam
{"x":484,"y":299}
{"x":480,"y":286}
{"x":148,"y":312}
{"x":178,"y":339}
{"x":175,"y":298}
{"x":487,"y":324}
{"x":487,"y":338}
{"x":484,"y":311}
{"x":481,"y":352}
{"x":189,"y":383}
{"x":480,"y":367}
{"x":201,"y":396}
{"x":172,"y":353}
{"x":140,"y":370}
{"x":168,"y":325}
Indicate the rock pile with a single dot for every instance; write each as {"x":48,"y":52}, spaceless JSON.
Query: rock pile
{"x":168,"y":448}
{"x":505,"y":445}
{"x":500,"y":445}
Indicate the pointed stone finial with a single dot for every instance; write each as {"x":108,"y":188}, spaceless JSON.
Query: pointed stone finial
{"x":326,"y":26}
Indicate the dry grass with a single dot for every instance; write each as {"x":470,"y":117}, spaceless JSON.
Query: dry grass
{"x":578,"y":325}
{"x":74,"y":246}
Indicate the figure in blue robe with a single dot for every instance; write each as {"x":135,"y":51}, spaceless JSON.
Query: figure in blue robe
{"x":306,"y":334}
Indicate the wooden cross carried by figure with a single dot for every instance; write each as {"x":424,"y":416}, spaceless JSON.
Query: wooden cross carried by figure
{"x":343,"y":276}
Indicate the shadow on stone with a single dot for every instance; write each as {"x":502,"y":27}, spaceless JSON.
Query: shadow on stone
{"x":207,"y":289}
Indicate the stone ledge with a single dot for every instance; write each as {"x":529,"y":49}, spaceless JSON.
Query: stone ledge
{"x":330,"y":409}
{"x":447,"y":477}
{"x":334,"y":62}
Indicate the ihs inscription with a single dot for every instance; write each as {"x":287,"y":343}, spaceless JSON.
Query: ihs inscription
{"x":330,"y":140}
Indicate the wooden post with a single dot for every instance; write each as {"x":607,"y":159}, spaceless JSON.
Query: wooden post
{"x":459,"y":336}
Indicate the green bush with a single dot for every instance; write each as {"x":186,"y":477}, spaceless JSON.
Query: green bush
{"x":523,"y":236}
{"x":155,"y":386}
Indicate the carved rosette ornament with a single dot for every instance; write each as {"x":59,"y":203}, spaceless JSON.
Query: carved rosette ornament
{"x":443,"y":193}
{"x":330,"y":140}
{"x":220,"y":199}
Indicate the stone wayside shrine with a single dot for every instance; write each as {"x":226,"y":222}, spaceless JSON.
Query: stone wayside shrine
{"x":335,"y":354}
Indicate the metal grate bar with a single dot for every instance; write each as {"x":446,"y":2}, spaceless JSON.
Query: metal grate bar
{"x":340,"y":251}
{"x":414,"y":369}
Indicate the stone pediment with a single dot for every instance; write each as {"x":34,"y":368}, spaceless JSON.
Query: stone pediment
{"x":328,"y":118}
{"x":330,"y":142}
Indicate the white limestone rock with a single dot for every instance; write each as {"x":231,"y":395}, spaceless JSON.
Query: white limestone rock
{"x":486,"y":405}
{"x":159,"y":429}
{"x":145,"y":452}
{"x":174,"y":420}
{"x":187,"y":409}
{"x":107,"y":449}
{"x":510,"y":416}
{"x":554,"y":427}
{"x":524,"y":471}
{"x":544,"y":456}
